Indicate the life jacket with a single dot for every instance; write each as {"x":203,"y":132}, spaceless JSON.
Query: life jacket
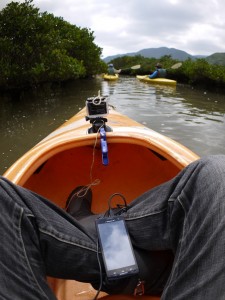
{"x":161,"y":73}
{"x":111,"y":71}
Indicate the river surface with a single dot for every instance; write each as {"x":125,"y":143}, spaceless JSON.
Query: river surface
{"x":195,"y":118}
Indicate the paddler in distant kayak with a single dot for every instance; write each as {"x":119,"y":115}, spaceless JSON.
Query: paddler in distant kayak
{"x":159,"y":72}
{"x":112,"y":70}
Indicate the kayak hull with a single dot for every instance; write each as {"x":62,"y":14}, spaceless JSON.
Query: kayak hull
{"x":139,"y":159}
{"x":163,"y":81}
{"x":110,"y":77}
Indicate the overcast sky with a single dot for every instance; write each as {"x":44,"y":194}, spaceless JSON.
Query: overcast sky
{"x":122,"y":26}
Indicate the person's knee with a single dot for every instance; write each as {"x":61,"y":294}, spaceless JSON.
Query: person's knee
{"x":212,"y":165}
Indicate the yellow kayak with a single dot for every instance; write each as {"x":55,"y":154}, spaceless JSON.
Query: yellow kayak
{"x":110,"y":77}
{"x":164,"y":81}
{"x":138,"y":159}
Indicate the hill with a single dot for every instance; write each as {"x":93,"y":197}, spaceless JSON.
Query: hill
{"x":157,"y":53}
{"x":216,"y":59}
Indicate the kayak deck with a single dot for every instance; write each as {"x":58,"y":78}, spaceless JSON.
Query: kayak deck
{"x":110,"y":77}
{"x":163,"y":81}
{"x":139,"y":159}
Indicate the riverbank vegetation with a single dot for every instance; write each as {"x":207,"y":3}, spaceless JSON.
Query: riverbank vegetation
{"x":197,"y":72}
{"x":39,"y":47}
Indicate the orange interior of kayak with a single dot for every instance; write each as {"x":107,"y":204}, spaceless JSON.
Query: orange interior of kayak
{"x":132,"y":170}
{"x":139,"y":159}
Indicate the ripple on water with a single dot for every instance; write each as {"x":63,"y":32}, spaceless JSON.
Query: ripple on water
{"x":193,"y":118}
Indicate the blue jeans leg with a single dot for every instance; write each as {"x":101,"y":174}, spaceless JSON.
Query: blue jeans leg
{"x":187,"y":215}
{"x":38,"y":240}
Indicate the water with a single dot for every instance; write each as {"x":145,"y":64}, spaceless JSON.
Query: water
{"x":192,"y":117}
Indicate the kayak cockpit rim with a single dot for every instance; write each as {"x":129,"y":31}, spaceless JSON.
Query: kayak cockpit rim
{"x":177,"y":154}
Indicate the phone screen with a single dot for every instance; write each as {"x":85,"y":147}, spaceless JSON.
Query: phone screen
{"x":116,"y":247}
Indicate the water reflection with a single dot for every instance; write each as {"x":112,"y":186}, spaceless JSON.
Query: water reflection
{"x":193,"y":117}
{"x":27,"y":119}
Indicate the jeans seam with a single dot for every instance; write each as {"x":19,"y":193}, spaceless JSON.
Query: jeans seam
{"x":66,"y":241}
{"x":25,"y":253}
{"x":130,"y":218}
{"x":174,"y":270}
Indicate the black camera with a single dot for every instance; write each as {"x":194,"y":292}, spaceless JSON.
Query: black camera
{"x":97,"y":107}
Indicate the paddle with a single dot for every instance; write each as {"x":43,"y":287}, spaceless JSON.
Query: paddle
{"x":132,"y":68}
{"x":135,"y":67}
{"x":176,"y":66}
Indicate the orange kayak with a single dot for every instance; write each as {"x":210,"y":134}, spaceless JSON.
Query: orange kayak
{"x":138,"y":159}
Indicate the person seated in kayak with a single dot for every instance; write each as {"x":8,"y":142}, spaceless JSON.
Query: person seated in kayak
{"x":112,"y":70}
{"x":177,"y":230}
{"x":159,"y":72}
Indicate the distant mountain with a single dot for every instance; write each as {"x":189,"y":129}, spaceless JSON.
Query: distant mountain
{"x":157,"y":53}
{"x":216,"y":59}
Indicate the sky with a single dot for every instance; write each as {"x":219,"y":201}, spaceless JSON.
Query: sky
{"x":124,"y":26}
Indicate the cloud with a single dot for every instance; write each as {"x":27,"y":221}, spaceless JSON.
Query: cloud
{"x":128,"y":26}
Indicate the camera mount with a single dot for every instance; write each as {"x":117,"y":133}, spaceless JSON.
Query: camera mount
{"x":97,"y":123}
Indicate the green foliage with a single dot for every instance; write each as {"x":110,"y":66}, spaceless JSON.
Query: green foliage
{"x":200,"y":72}
{"x":147,"y":64}
{"x":216,"y":59}
{"x":58,"y":67}
{"x":38,"y":47}
{"x":196,"y":72}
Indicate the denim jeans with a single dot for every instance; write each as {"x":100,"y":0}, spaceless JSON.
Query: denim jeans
{"x":184,"y":216}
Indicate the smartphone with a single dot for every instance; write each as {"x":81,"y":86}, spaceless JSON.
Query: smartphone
{"x":116,"y":247}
